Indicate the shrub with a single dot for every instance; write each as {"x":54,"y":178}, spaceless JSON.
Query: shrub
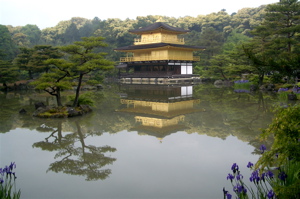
{"x":84,"y":99}
{"x":287,"y":86}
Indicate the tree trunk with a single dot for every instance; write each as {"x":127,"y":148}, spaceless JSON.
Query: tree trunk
{"x":5,"y":86}
{"x":58,"y":98}
{"x":30,"y":74}
{"x":78,"y":90}
{"x":261,"y":79}
{"x":223,"y":75}
{"x":81,"y":138}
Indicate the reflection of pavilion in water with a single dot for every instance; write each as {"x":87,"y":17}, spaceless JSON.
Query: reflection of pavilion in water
{"x":160,"y":110}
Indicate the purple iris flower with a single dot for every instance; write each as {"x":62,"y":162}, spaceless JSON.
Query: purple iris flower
{"x":239,"y":189}
{"x":283,"y":89}
{"x":262,"y":148}
{"x":255,"y":176}
{"x":229,"y":196}
{"x":239,"y":177}
{"x":230,"y":177}
{"x":271,"y":194}
{"x":282,"y":175}
{"x":226,"y":193}
{"x":270,"y":174}
{"x":12,"y":166}
{"x":8,"y":170}
{"x":5,"y":169}
{"x":234,"y":167}
{"x":250,"y":165}
{"x":241,"y":81}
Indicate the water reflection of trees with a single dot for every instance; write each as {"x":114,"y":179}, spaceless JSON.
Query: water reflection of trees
{"x":227,"y":113}
{"x":75,"y":156}
{"x":230,"y":113}
{"x":10,"y":105}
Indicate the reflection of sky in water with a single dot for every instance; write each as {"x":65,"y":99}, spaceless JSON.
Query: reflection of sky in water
{"x":180,"y":165}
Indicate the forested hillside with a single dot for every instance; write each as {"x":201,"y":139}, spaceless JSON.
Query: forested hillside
{"x":257,"y":41}
{"x":209,"y":30}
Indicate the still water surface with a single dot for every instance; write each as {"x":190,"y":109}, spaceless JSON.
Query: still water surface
{"x":139,"y":142}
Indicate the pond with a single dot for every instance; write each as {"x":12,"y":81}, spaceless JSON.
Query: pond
{"x":140,"y":141}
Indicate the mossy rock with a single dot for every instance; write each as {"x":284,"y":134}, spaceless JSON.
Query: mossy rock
{"x":61,"y":112}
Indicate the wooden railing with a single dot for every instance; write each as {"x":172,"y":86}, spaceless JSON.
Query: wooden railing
{"x":160,"y":40}
{"x":153,"y":58}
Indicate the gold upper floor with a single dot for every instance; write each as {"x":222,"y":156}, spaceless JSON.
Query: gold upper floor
{"x":158,"y":38}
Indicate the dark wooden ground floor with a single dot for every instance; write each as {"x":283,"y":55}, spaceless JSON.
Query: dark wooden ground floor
{"x":156,"y":69}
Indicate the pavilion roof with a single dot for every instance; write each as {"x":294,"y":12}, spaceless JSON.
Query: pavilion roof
{"x":157,"y":45}
{"x":159,"y":26}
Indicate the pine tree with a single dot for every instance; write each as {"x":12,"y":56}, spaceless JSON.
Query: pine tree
{"x":85,"y":60}
{"x":275,"y":47}
{"x":56,"y":80}
{"x":283,"y":23}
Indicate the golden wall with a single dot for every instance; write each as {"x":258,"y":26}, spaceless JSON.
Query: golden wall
{"x":158,"y":38}
{"x":166,"y":54}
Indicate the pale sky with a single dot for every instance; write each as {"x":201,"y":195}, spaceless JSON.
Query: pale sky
{"x":50,"y":13}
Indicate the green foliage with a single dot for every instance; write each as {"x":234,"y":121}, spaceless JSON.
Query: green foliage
{"x":40,"y":54}
{"x":277,"y":78}
{"x":283,"y":96}
{"x":274,"y":47}
{"x":287,"y":86}
{"x":33,"y":59}
{"x":71,"y":34}
{"x":219,"y":66}
{"x":32,"y":33}
{"x":85,"y":60}
{"x":254,"y":78}
{"x":213,"y":41}
{"x":217,"y":32}
{"x":286,"y":132}
{"x":57,"y":79}
{"x":8,"y":73}
{"x":23,"y":61}
{"x":245,"y":85}
{"x":84,"y":99}
{"x":7,"y":48}
{"x":288,"y":188}
{"x":233,"y":40}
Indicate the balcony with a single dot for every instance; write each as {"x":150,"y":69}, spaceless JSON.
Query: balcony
{"x":154,"y":58}
{"x":158,"y":40}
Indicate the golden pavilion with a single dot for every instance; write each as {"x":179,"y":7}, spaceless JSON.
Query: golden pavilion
{"x":157,"y":55}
